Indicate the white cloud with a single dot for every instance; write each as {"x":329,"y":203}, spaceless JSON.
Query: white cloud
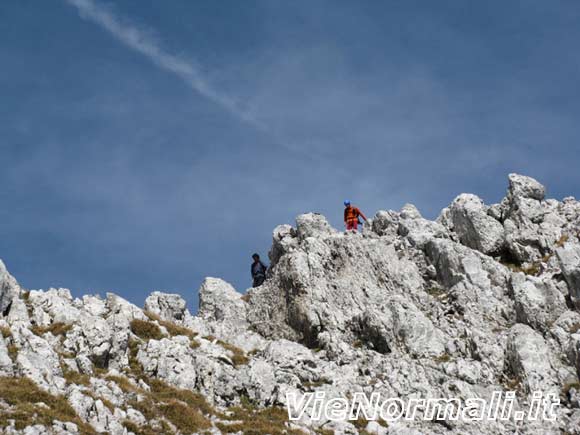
{"x":139,"y":39}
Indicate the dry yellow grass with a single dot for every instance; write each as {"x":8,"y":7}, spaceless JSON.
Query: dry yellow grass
{"x":146,"y":330}
{"x":123,"y":383}
{"x":134,"y":365}
{"x":22,"y":395}
{"x":185,"y":409}
{"x":238,"y":355}
{"x":562,"y":240}
{"x":73,"y":377}
{"x":172,"y":328}
{"x":5,"y":332}
{"x":253,"y":421}
{"x":55,"y":329}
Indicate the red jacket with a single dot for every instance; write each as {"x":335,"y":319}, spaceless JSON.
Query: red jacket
{"x":351,"y":213}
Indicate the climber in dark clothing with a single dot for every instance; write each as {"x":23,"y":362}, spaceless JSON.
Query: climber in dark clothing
{"x":258,"y":270}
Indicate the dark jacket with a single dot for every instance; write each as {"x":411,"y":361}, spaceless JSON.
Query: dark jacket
{"x":258,"y":269}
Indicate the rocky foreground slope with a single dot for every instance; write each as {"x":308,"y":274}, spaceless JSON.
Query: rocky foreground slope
{"x":484,"y":299}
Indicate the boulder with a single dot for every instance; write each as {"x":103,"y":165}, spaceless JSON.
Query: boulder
{"x":312,"y":225}
{"x":538,"y":302}
{"x":220,"y":302}
{"x":525,"y":187}
{"x":386,"y":223}
{"x":170,"y":360}
{"x":474,"y":227}
{"x":170,"y":307}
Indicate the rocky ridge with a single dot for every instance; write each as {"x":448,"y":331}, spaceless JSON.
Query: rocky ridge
{"x":486,"y":298}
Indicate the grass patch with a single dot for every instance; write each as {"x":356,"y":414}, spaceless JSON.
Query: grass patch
{"x":239,"y":357}
{"x":273,"y":421}
{"x":141,"y":430}
{"x":245,"y":297}
{"x":106,"y":402}
{"x":12,"y":351}
{"x":134,"y":365}
{"x":185,"y":419}
{"x":438,"y":293}
{"x":183,"y":408}
{"x":194,"y":344}
{"x":22,"y":394}
{"x":442,"y":358}
{"x":512,"y":384}
{"x":55,"y":329}
{"x":5,"y":332}
{"x":146,"y":330}
{"x":562,"y":240}
{"x":136,"y":429}
{"x":73,"y":377}
{"x":532,"y":269}
{"x":162,"y":391}
{"x":172,"y":328}
{"x":123,"y":383}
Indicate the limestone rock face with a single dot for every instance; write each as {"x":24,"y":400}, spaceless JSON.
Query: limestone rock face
{"x":525,"y":187}
{"x":484,"y":299}
{"x":474,"y":227}
{"x":9,"y":289}
{"x":170,"y":307}
{"x":220,"y":302}
{"x":569,"y":258}
{"x":528,"y":358}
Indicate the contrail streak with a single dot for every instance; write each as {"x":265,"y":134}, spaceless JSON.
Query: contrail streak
{"x":141,"y":41}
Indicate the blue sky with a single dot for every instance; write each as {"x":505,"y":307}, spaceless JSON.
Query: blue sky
{"x":146,"y":145}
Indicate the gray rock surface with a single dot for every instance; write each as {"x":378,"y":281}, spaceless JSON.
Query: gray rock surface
{"x":474,"y":227}
{"x":9,"y":289}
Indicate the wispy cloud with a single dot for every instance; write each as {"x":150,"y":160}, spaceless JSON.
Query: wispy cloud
{"x":139,"y":39}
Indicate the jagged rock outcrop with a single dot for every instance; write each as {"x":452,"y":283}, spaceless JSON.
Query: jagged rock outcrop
{"x":474,"y":227}
{"x":484,"y":299}
{"x":9,"y":290}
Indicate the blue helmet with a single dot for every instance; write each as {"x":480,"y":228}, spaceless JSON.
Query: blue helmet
{"x":346,"y":202}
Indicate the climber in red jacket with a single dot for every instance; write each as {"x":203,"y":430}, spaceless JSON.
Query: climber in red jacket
{"x":351,"y":215}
